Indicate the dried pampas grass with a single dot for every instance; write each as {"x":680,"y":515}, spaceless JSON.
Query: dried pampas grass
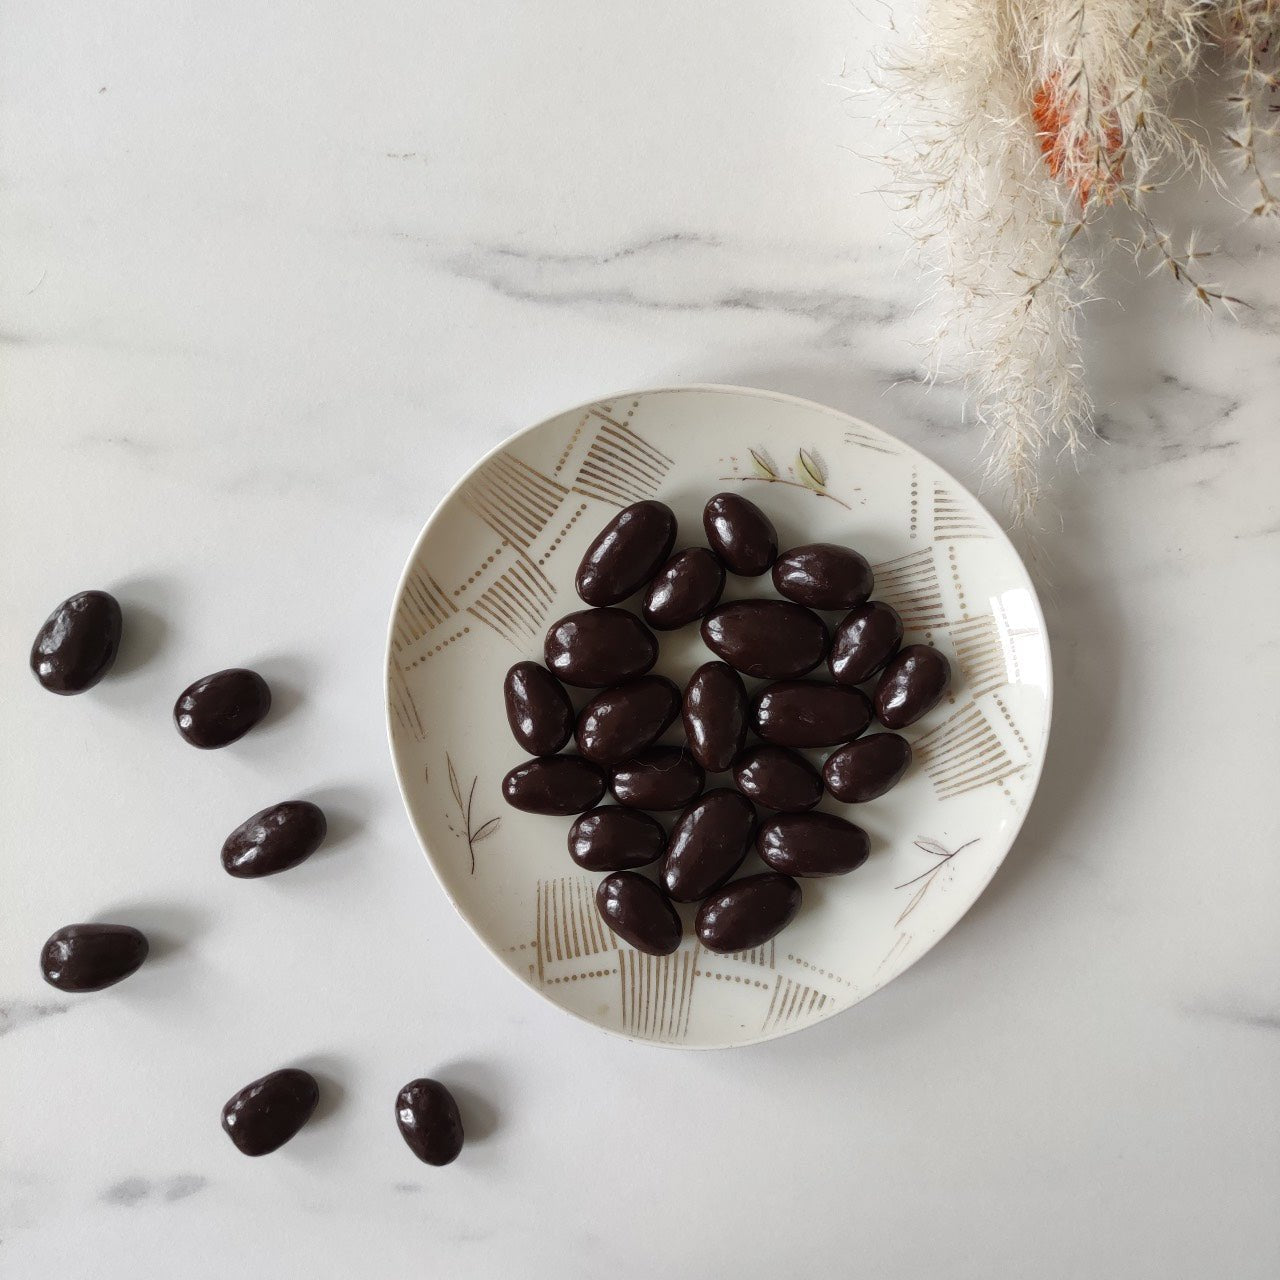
{"x":1020,"y":123}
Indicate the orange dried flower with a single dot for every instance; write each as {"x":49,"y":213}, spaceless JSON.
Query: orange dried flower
{"x":1084,"y":166}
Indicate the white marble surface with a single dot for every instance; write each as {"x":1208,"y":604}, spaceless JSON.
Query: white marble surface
{"x":273,"y":277}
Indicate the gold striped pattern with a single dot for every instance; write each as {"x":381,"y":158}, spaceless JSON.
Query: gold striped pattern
{"x":792,"y":1002}
{"x":516,"y":603}
{"x":910,"y":584}
{"x":952,"y":519}
{"x":964,"y":753}
{"x":981,"y":655}
{"x":764,"y":956}
{"x":568,"y":925}
{"x":657,"y":993}
{"x":513,"y":499}
{"x":866,"y":440}
{"x":620,"y":468}
{"x":402,"y":705}
{"x":424,"y":605}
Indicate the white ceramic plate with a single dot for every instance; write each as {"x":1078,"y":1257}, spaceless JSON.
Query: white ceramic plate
{"x":495,"y":566}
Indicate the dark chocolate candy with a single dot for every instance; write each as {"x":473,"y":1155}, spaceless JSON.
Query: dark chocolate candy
{"x":708,"y":843}
{"x":538,"y":709}
{"x":627,"y":718}
{"x":777,"y":778}
{"x":740,"y":534}
{"x":594,"y":648}
{"x":264,"y":1115}
{"x":639,"y":913}
{"x":218,"y":709}
{"x":746,"y":913}
{"x":861,"y":771}
{"x":627,"y":552}
{"x":428,"y":1118}
{"x":89,"y":957}
{"x":685,"y":588}
{"x":911,"y":685}
{"x":771,"y":639}
{"x":811,"y":844}
{"x":822,"y":575}
{"x":78,"y":643}
{"x":555,"y":785}
{"x":864,"y":641}
{"x":715,"y":715}
{"x":658,"y":778}
{"x":613,"y":838}
{"x":274,"y":839}
{"x":805,"y":713}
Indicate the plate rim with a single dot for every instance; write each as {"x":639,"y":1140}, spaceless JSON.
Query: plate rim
{"x":755,"y":393}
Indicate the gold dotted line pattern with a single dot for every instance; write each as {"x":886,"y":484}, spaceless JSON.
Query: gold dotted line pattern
{"x":804,"y":964}
{"x":559,"y":538}
{"x":457,"y":591}
{"x":444,"y":644}
{"x":1017,"y":733}
{"x":573,"y":977}
{"x":573,"y":439}
{"x":522,"y":946}
{"x":915,"y":503}
{"x":730,"y":977}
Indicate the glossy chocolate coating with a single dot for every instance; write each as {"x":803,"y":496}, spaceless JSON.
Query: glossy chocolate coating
{"x":822,"y":575}
{"x":627,"y":718}
{"x":911,"y":685}
{"x":777,"y":778}
{"x":861,"y":771}
{"x":538,"y":709}
{"x":88,"y":957}
{"x":747,"y":912}
{"x":429,"y":1121}
{"x":708,"y":843}
{"x":274,"y":839}
{"x":554,"y":784}
{"x":811,"y":844}
{"x":218,"y":709}
{"x":740,"y":534}
{"x":686,"y":587}
{"x":264,"y":1115}
{"x":595,"y":648}
{"x":658,"y":778}
{"x":78,"y":643}
{"x":627,"y":552}
{"x":639,"y":913}
{"x":612,"y":838}
{"x":864,"y":641}
{"x":715,"y":715}
{"x":805,"y":713}
{"x":772,"y":639}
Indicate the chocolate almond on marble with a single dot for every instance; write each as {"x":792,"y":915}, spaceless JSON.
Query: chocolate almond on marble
{"x":807,"y":713}
{"x":777,"y":778}
{"x":684,"y":589}
{"x":811,"y":844}
{"x":911,"y":685}
{"x":614,"y":838}
{"x":274,"y":839}
{"x":715,"y":715}
{"x":627,"y":718}
{"x":821,"y":575}
{"x":746,"y":913}
{"x":595,"y":648}
{"x":864,"y":770}
{"x":538,"y":709}
{"x":220,"y":708}
{"x":266,"y":1113}
{"x":639,"y":913}
{"x":90,"y":957}
{"x":740,"y":534}
{"x":867,"y":637}
{"x":78,"y":642}
{"x":429,"y":1121}
{"x":558,"y":785}
{"x":769,"y":639}
{"x":627,"y":552}
{"x":707,"y":845}
{"x":658,"y":778}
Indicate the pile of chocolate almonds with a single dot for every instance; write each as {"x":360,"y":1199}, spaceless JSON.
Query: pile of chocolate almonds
{"x":778,"y":641}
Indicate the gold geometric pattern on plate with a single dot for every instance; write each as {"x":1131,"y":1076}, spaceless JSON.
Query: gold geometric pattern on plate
{"x":513,"y":498}
{"x":791,"y":1000}
{"x":657,"y":992}
{"x":964,"y":753}
{"x":402,"y":705}
{"x":867,"y":440}
{"x":910,"y":584}
{"x":953,"y":519}
{"x":516,"y":603}
{"x":425,"y":606}
{"x":567,"y":923}
{"x":980,"y":654}
{"x":620,"y":467}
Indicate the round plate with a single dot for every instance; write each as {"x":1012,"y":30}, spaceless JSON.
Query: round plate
{"x":495,"y":566}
